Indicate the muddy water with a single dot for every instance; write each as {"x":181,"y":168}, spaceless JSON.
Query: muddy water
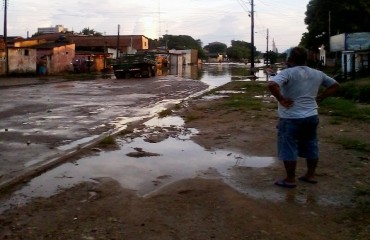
{"x":177,"y":156}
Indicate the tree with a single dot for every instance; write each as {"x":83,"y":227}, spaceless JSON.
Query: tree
{"x":346,"y":16}
{"x":237,"y":53}
{"x":272,"y":57}
{"x":216,"y":47}
{"x":240,"y":50}
{"x":87,"y":31}
{"x":178,"y":42}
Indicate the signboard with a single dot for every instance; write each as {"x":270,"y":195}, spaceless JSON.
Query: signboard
{"x":350,"y":42}
{"x":338,"y":43}
{"x":358,"y":41}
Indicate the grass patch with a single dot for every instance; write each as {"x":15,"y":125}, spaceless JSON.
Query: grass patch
{"x":164,"y":113}
{"x":244,"y":101}
{"x":353,"y":144}
{"x":356,"y":90}
{"x":345,"y":109}
{"x":108,"y":141}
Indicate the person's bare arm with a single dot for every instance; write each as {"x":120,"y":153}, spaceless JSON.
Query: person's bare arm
{"x":327,"y":92}
{"x":275,"y":91}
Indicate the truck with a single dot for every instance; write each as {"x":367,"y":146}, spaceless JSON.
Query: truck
{"x":135,"y":65}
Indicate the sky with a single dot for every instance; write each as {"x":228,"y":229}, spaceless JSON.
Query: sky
{"x":207,"y":20}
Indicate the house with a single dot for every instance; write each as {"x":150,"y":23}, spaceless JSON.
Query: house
{"x":33,"y":55}
{"x":90,"y":62}
{"x":21,"y":59}
{"x":91,"y":52}
{"x":189,"y":56}
{"x":215,"y":57}
{"x":355,"y":51}
{"x":100,"y":43}
{"x":56,"y":57}
{"x":124,"y":43}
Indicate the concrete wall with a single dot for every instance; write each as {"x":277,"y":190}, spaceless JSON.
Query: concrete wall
{"x":62,"y":58}
{"x":21,"y":60}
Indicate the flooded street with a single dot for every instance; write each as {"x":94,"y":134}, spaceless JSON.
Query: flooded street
{"x":43,"y":123}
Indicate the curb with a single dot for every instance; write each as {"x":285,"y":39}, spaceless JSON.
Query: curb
{"x":47,"y":164}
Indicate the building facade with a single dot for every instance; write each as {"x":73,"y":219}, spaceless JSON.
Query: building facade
{"x":56,"y":29}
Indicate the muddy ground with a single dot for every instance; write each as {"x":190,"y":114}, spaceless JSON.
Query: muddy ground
{"x":210,"y":208}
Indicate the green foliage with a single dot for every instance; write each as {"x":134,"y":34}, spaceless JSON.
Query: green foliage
{"x":242,"y":44}
{"x":164,"y":113}
{"x":216,"y":47}
{"x":178,"y":42}
{"x":240,"y":50}
{"x":90,"y":32}
{"x":346,"y":16}
{"x":272,"y":56}
{"x":238,"y":53}
{"x":181,"y":42}
{"x":109,"y":140}
{"x":353,"y":144}
{"x":345,"y":109}
{"x":356,"y":90}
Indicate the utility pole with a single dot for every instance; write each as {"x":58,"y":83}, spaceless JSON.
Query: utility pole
{"x":159,"y":19}
{"x":329,"y":24}
{"x":6,"y":38}
{"x":267,"y":47}
{"x":252,"y":37}
{"x":117,"y":51}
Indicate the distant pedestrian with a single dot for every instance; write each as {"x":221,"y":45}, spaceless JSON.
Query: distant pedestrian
{"x":296,"y":89}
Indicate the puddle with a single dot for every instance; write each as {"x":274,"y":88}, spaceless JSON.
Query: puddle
{"x":214,"y":97}
{"x":229,"y":92}
{"x":165,"y":122}
{"x":176,"y":157}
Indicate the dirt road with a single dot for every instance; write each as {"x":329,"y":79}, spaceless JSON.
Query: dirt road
{"x":242,"y":204}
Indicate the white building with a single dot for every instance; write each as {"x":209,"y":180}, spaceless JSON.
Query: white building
{"x":56,"y":29}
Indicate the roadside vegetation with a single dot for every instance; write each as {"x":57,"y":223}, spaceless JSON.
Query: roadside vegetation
{"x":352,"y":102}
{"x":108,"y":142}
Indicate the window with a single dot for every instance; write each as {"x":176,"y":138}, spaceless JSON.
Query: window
{"x":26,"y":52}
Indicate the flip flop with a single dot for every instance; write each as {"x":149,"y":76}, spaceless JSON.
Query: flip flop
{"x":305,"y":179}
{"x":283,"y":183}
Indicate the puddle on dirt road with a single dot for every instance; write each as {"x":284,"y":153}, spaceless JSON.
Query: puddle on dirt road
{"x":173,"y":157}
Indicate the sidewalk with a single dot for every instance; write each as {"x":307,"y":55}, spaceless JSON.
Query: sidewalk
{"x":13,"y":82}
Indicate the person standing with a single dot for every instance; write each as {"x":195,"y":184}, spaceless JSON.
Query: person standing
{"x":296,"y":90}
